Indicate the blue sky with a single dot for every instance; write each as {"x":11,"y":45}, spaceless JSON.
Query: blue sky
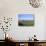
{"x":25,"y":16}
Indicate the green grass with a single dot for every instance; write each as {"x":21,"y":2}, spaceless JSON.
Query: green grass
{"x":26,"y":23}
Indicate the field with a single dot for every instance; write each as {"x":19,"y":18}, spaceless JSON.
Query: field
{"x":26,"y":22}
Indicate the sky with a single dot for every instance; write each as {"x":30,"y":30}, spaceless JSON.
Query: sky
{"x":25,"y":16}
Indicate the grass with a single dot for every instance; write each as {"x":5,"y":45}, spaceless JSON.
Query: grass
{"x":26,"y":23}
